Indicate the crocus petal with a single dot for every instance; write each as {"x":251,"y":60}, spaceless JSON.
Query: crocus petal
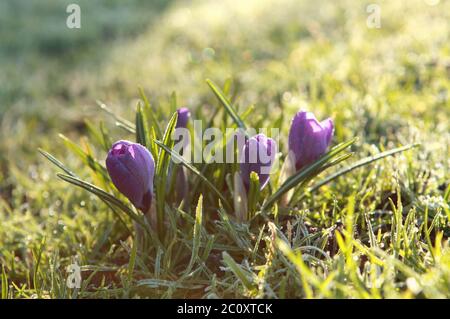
{"x":258,"y":156}
{"x":309,"y":138}
{"x":144,"y":159}
{"x":124,"y":182}
{"x":131,"y":168}
{"x":127,"y":154}
{"x":328,"y":126}
{"x":183,"y":117}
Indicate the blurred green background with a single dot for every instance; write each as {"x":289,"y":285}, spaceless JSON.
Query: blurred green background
{"x":320,"y":54}
{"x":387,"y":85}
{"x":51,"y":75}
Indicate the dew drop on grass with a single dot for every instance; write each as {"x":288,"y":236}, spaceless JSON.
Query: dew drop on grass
{"x":413,"y":285}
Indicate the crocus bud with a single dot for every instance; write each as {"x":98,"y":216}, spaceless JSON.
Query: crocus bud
{"x":309,"y":138}
{"x":258,"y":155}
{"x":183,"y":117}
{"x":131,"y":168}
{"x":182,"y":186}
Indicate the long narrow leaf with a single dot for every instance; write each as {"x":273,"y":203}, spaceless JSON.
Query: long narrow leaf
{"x":162,"y":168}
{"x":197,"y":234}
{"x":85,"y":157}
{"x":4,"y":284}
{"x":56,"y":162}
{"x":243,"y":275}
{"x":306,"y":173}
{"x":102,"y":195}
{"x":234,"y":115}
{"x":141,"y":127}
{"x":120,"y":121}
{"x":150,"y":114}
{"x":363,"y":162}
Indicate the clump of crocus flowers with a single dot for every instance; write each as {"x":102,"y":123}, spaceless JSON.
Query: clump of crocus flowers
{"x":131,"y":166}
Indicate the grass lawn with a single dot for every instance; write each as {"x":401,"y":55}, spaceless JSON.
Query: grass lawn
{"x":379,"y":231}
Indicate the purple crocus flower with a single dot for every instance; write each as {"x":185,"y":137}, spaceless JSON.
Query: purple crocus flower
{"x":258,"y":155}
{"x":183,"y":117}
{"x":309,"y":138}
{"x":131,"y":168}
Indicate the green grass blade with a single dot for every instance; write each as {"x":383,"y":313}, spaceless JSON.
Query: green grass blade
{"x":150,"y":114}
{"x":253,"y":195}
{"x":37,"y":255}
{"x":360,"y":163}
{"x":102,"y":195}
{"x":97,"y":134}
{"x":306,"y":173}
{"x":162,"y":171}
{"x":132,"y":261}
{"x":85,"y":157}
{"x":141,"y":127}
{"x":240,"y":273}
{"x":197,"y":234}
{"x":167,"y":140}
{"x":4,"y":283}
{"x":447,"y":194}
{"x":129,"y":126}
{"x":297,"y":260}
{"x":56,"y":162}
{"x":228,"y":107}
